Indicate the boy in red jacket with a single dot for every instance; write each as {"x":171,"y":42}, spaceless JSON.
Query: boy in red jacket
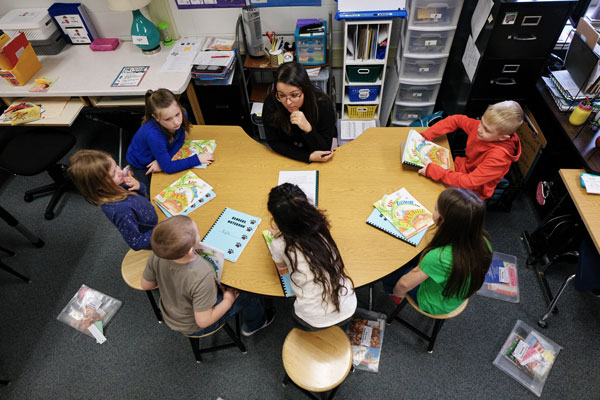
{"x":492,"y":146}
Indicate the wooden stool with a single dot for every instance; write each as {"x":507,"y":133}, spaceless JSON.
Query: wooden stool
{"x":132,"y":268}
{"x":439,"y":320}
{"x":317,"y":361}
{"x":235,"y":337}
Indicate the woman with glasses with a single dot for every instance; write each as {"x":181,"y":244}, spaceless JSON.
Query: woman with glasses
{"x":299,"y":119}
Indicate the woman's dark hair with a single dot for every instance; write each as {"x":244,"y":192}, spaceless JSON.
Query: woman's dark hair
{"x":461,"y":225}
{"x":293,"y":74}
{"x":163,"y":98}
{"x":305,"y":229}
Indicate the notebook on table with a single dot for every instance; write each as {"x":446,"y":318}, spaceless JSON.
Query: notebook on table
{"x":284,"y":274}
{"x":231,"y":232}
{"x":307,"y":181}
{"x":379,"y":221}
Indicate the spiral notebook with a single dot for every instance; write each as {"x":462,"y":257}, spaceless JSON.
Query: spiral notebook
{"x":379,"y":221}
{"x":231,"y":232}
{"x":284,"y":274}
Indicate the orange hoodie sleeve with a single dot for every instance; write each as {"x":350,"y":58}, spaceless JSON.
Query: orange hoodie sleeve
{"x":482,"y":180}
{"x":451,"y":124}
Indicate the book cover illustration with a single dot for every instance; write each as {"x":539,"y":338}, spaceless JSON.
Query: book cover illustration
{"x":527,"y":356}
{"x":88,"y":307}
{"x":417,"y":149}
{"x":22,"y":112}
{"x":203,"y":200}
{"x":501,"y":280}
{"x":284,"y":274}
{"x":182,"y":194}
{"x":231,"y":232}
{"x":379,"y":221}
{"x":407,"y":215}
{"x":214,"y":256}
{"x":366,"y":338}
{"x":191,"y":147}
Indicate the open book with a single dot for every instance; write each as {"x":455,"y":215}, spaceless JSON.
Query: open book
{"x":191,"y":147}
{"x":284,"y":274}
{"x":182,"y":194}
{"x":417,"y":150}
{"x":405,"y":213}
{"x":214,"y":256}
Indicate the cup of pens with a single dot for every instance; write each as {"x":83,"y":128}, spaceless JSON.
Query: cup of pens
{"x":276,"y":57}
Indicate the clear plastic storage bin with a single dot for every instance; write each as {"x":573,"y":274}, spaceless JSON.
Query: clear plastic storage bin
{"x":408,"y":112}
{"x":422,"y":67}
{"x":415,"y":91}
{"x":425,"y":40}
{"x":528,"y":356}
{"x":435,"y":13}
{"x":320,"y":81}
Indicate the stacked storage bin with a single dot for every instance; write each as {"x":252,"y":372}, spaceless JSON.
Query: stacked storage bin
{"x":39,"y":28}
{"x":425,"y":44}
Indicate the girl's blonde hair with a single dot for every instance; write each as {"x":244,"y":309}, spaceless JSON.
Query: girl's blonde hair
{"x":90,"y":172}
{"x":163,"y":98}
{"x":506,"y":116}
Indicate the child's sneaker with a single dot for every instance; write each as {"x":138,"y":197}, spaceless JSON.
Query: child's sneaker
{"x":270,"y":318}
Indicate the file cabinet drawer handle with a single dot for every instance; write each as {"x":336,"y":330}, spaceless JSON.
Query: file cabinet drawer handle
{"x":522,"y":38}
{"x":503,"y":81}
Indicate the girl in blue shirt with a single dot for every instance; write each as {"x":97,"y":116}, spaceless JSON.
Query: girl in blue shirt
{"x":160,"y":137}
{"x":120,"y":196}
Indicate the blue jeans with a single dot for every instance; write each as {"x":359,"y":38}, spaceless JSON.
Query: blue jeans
{"x":588,"y":266}
{"x":253,"y":313}
{"x":140,"y":175}
{"x":390,"y":280}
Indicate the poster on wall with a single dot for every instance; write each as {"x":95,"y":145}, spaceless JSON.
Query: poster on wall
{"x":285,"y":3}
{"x":183,"y":4}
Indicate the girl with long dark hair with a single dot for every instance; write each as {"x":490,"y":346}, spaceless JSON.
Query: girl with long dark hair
{"x":303,"y":244}
{"x":453,"y":264}
{"x":299,"y":119}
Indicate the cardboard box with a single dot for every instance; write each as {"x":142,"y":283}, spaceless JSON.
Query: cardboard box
{"x":532,"y":144}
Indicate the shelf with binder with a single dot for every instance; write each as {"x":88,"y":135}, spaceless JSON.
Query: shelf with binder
{"x":366,"y":51}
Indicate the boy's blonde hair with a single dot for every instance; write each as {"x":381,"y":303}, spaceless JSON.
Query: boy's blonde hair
{"x":506,"y":117}
{"x":174,"y":237}
{"x":90,"y":172}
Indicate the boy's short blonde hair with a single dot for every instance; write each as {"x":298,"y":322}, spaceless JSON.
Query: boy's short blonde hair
{"x":506,"y":117}
{"x":173,"y":237}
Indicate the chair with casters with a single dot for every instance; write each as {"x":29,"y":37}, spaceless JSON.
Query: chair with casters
{"x":235,"y":337}
{"x":37,"y":150}
{"x":439,"y":320}
{"x":317,"y":362}
{"x":132,"y":268}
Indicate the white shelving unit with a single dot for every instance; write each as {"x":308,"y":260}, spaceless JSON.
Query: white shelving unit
{"x":425,"y":42}
{"x":366,"y":45}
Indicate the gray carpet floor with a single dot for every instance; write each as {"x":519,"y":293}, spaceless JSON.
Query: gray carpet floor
{"x":142,"y":359}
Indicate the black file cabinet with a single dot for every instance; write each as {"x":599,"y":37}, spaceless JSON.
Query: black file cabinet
{"x":225,"y":104}
{"x":514,"y":46}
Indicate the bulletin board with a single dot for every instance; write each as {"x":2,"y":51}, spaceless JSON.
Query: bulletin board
{"x":184,"y":4}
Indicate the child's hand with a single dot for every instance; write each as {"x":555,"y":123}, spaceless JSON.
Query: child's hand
{"x":130,"y":181}
{"x":298,"y":118}
{"x":153,"y":167}
{"x":320,"y":156}
{"x":206,"y":158}
{"x":423,"y":171}
{"x":230,"y":294}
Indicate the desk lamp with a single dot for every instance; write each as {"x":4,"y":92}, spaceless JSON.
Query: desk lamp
{"x":144,"y":33}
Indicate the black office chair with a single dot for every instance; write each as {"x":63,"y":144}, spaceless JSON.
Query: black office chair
{"x":32,"y":152}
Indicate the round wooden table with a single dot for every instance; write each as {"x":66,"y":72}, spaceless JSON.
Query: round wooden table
{"x":359,"y":174}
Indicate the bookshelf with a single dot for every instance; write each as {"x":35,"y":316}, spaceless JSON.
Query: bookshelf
{"x":366,"y":52}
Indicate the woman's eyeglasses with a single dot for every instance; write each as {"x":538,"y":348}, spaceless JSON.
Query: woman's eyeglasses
{"x":293,"y":97}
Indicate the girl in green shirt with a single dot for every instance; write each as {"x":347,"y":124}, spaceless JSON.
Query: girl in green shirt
{"x":453,"y":264}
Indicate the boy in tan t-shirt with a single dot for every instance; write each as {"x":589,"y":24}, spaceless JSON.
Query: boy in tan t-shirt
{"x":190,"y":301}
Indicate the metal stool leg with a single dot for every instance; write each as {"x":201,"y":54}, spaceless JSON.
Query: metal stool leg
{"x":15,"y":273}
{"x":195,"y":342}
{"x":154,"y":306}
{"x":436,"y":328}
{"x":12,"y":221}
{"x":235,"y":338}
{"x":542,"y":321}
{"x":394,"y":313}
